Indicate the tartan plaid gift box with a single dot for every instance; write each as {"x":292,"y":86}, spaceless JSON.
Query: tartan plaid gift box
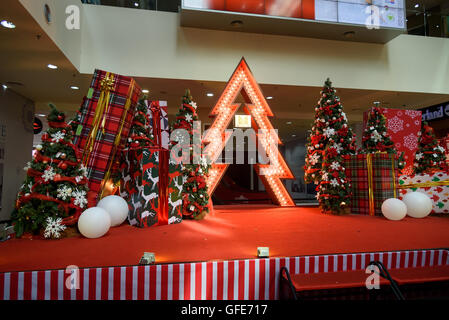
{"x":152,"y":187}
{"x":435,"y":186}
{"x":373,"y":179}
{"x":104,"y":122}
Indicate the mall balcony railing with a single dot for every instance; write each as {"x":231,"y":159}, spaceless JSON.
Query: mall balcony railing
{"x":433,"y":22}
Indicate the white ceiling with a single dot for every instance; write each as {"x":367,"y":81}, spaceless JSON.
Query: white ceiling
{"x":26,"y":51}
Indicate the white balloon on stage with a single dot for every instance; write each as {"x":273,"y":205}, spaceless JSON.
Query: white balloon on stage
{"x":418,"y":204}
{"x":394,"y":209}
{"x":94,"y":223}
{"x":117,"y":207}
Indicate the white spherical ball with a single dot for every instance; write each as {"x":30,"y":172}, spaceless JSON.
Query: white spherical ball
{"x":117,"y":207}
{"x":418,"y":204}
{"x":94,"y":223}
{"x":394,"y":209}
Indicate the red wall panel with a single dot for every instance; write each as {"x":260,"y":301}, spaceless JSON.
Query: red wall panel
{"x":308,"y":9}
{"x":247,"y":6}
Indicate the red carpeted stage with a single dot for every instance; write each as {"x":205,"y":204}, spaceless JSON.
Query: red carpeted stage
{"x":230,"y":233}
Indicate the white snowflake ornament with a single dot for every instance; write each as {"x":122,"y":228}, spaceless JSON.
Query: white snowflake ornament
{"x":49,"y":174}
{"x":53,"y":228}
{"x":334,"y":183}
{"x":80,"y":198}
{"x":57,"y":136}
{"x":335,"y":165}
{"x":64,"y":192}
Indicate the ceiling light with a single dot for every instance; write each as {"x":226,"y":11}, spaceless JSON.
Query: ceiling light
{"x":210,"y":94}
{"x":417,"y":5}
{"x":136,"y":4}
{"x":7,"y":24}
{"x":74,"y":88}
{"x":269,"y":98}
{"x":145,"y":91}
{"x":52,"y":66}
{"x":4,"y":86}
{"x":293,"y":135}
{"x":288,"y":122}
{"x":40,"y":115}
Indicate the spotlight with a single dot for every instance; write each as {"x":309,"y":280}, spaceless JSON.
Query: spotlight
{"x":147,"y":258}
{"x":269,"y":98}
{"x":417,"y":5}
{"x":52,"y":66}
{"x":136,"y":4}
{"x":263,"y":252}
{"x":8,"y":24}
{"x":210,"y":94}
{"x":4,"y":86}
{"x":74,"y":88}
{"x":288,"y":122}
{"x":145,"y":91}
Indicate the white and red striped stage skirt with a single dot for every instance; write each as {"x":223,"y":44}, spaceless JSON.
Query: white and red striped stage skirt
{"x":250,"y":279}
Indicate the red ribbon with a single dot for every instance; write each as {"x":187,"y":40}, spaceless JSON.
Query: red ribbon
{"x":156,"y":111}
{"x":163,"y":187}
{"x":78,"y":156}
{"x":40,"y":158}
{"x":53,"y":124}
{"x":65,"y":206}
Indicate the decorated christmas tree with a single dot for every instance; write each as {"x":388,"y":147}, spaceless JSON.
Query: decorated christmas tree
{"x":430,"y":156}
{"x":140,"y":134}
{"x":376,"y":138}
{"x":53,"y":194}
{"x":334,"y":189}
{"x":330,"y":129}
{"x":195,"y":196}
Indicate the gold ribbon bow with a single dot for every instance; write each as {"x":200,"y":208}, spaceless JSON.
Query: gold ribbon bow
{"x":101,"y":111}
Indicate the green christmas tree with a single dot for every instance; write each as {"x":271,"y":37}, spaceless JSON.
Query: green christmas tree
{"x":330,"y":129}
{"x":140,"y":134}
{"x":54,"y":192}
{"x":195,"y":193}
{"x":430,"y":156}
{"x":334,"y":190}
{"x":376,"y":138}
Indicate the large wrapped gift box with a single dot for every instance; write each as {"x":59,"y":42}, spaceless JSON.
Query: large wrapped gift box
{"x":373,"y":179}
{"x":158,"y":118}
{"x":435,"y":185}
{"x":152,"y":186}
{"x":403,"y":127}
{"x":105,"y":119}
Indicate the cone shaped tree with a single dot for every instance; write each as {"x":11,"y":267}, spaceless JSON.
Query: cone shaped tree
{"x":195,"y":195}
{"x":376,"y":138}
{"x":430,"y":156}
{"x":330,"y":128}
{"x":140,"y":134}
{"x":334,"y":189}
{"x":54,"y":191}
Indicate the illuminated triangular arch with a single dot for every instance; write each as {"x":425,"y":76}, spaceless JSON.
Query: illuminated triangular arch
{"x":242,"y":80}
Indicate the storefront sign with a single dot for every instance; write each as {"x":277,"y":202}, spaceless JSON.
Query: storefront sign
{"x":437,"y":112}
